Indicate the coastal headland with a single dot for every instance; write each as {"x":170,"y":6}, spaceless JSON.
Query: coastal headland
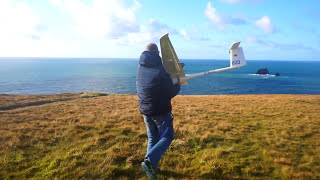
{"x":74,"y":136}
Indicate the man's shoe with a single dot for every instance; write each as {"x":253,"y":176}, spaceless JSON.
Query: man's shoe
{"x":146,"y":165}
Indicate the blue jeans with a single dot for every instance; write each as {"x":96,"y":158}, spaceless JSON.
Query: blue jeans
{"x":160,"y":135}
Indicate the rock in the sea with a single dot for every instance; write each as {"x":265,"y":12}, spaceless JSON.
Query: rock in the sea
{"x":277,"y":74}
{"x":262,"y":71}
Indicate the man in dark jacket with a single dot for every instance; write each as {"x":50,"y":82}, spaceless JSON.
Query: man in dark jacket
{"x":155,"y":91}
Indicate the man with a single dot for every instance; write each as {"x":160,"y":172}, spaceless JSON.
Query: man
{"x":155,"y":91}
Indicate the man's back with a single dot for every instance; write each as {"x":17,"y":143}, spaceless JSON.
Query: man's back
{"x":154,"y":85}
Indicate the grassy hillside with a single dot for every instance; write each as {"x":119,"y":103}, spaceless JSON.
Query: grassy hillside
{"x":223,"y":136}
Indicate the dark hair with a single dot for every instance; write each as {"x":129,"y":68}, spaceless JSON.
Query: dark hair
{"x":152,"y":47}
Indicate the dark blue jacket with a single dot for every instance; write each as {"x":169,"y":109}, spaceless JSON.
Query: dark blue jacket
{"x":154,"y":85}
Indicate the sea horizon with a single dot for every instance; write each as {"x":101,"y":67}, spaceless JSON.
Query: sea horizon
{"x":117,"y":75}
{"x":137,"y":58}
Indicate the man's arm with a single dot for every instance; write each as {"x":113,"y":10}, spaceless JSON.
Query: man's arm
{"x":167,"y":86}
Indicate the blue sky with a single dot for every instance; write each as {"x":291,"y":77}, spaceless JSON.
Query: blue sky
{"x":198,"y":29}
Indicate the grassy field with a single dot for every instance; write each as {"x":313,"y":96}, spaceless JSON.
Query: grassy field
{"x":216,"y":137}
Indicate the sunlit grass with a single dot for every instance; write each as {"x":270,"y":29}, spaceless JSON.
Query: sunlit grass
{"x":223,"y":136}
{"x":92,"y":94}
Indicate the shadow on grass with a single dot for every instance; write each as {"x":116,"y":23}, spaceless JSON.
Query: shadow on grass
{"x":172,"y":174}
{"x":120,"y":172}
{"x":37,"y":103}
{"x":214,"y":175}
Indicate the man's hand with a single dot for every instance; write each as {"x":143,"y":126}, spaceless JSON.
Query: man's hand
{"x":179,"y":82}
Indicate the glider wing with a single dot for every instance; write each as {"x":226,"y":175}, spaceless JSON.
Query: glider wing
{"x":170,"y":59}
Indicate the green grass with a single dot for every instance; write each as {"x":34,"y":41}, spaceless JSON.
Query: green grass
{"x":92,"y":94}
{"x":216,"y":137}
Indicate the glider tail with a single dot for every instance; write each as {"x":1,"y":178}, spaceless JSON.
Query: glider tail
{"x":237,"y":58}
{"x":172,"y":65}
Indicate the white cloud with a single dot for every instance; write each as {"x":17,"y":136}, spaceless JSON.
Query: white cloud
{"x":275,"y":45}
{"x":219,"y":20}
{"x":101,"y":19}
{"x":254,"y":39}
{"x":194,"y":35}
{"x":55,"y":2}
{"x":265,"y":24}
{"x":153,"y":30}
{"x":249,"y":2}
{"x":150,"y":32}
{"x":230,"y":1}
{"x":214,"y":17}
{"x":23,"y":33}
{"x":18,"y":19}
{"x":184,"y":34}
{"x":251,"y":39}
{"x":112,"y":21}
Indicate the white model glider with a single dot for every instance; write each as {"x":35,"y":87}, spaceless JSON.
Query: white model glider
{"x":171,"y":62}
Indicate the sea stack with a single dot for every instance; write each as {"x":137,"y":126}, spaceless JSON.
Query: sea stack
{"x":262,"y":71}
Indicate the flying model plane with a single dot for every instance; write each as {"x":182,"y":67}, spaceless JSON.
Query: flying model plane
{"x":171,"y":62}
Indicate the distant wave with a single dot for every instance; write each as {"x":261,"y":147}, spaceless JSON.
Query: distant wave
{"x":267,"y":75}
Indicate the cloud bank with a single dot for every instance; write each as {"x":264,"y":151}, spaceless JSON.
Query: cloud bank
{"x":101,"y":19}
{"x":219,"y":20}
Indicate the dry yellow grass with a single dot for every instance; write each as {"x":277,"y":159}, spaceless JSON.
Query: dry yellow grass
{"x":220,"y":136}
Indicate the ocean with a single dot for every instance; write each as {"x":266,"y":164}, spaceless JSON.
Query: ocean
{"x":75,"y":75}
